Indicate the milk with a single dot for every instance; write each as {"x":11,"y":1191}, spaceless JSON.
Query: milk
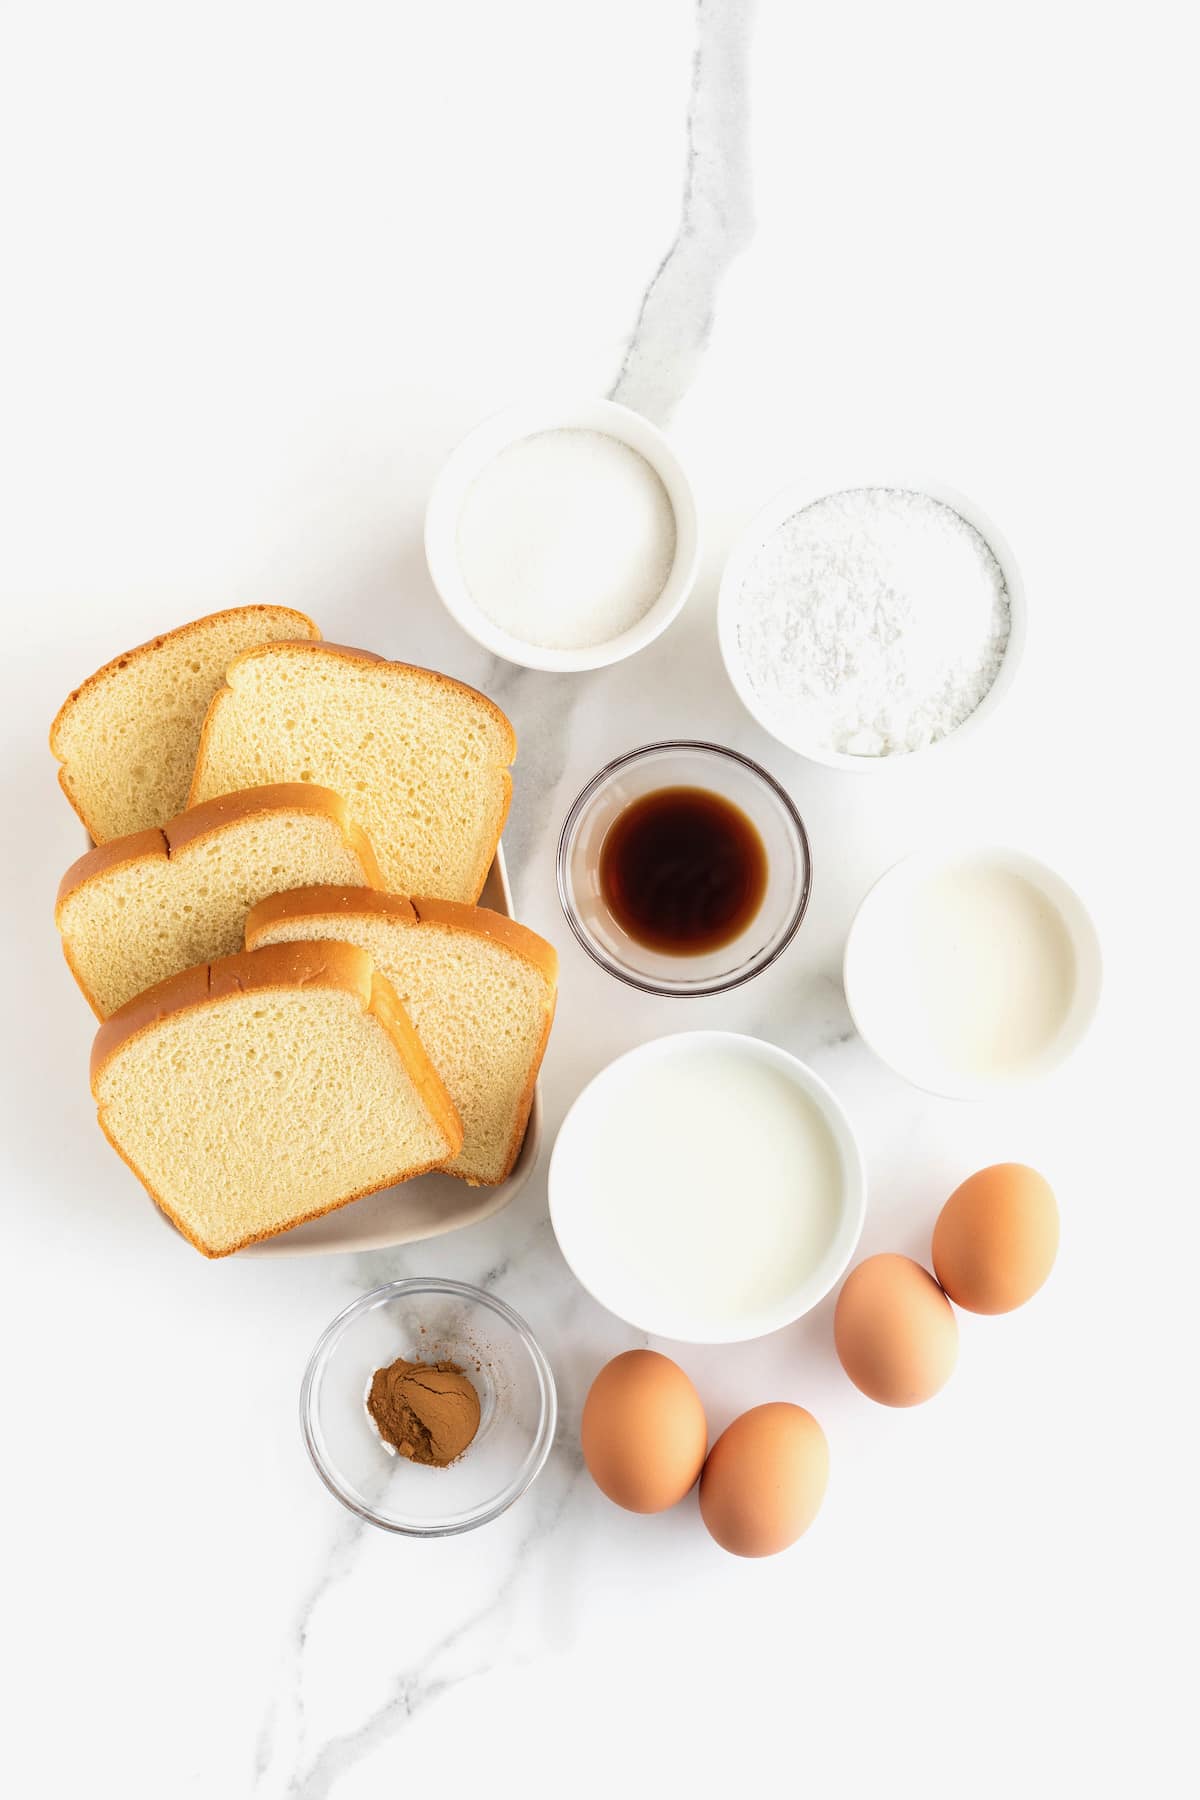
{"x":702,"y":1183}
{"x":980,"y":969}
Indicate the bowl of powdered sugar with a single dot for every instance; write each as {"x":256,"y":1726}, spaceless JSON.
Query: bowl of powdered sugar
{"x":563,"y":535}
{"x":866,"y":624}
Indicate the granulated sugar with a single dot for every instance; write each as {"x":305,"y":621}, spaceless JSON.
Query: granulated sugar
{"x":872,"y":622}
{"x":566,"y":539}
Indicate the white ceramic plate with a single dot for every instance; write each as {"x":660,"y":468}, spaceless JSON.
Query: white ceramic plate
{"x":609,"y":1263}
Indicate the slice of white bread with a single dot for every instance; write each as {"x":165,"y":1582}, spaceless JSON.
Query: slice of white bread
{"x":479,"y":988}
{"x":422,"y":759}
{"x":140,"y":908}
{"x":253,"y":1093}
{"x":127,"y":739}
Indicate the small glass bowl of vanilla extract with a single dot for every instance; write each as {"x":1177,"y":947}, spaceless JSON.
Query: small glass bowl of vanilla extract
{"x":684,"y":868}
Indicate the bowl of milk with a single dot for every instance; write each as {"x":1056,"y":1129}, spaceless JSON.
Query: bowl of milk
{"x":563,"y":535}
{"x":972,"y":970}
{"x":707,"y":1187}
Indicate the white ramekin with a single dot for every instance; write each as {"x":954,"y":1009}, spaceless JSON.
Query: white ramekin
{"x":794,"y":499}
{"x":868,"y":948}
{"x":480,"y":448}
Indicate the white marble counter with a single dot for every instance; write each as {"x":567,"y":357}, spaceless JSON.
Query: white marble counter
{"x":276,"y":260}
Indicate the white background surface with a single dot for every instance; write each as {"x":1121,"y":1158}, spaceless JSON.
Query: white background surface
{"x":264,"y":266}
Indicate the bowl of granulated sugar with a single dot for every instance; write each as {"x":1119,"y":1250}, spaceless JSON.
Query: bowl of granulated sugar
{"x":866,"y":624}
{"x":563,"y":534}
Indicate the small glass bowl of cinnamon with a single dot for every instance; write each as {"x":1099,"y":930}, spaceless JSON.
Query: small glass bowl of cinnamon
{"x":428,"y":1321}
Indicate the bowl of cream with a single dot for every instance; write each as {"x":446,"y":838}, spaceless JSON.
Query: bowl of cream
{"x":972,"y":970}
{"x":563,"y":536}
{"x":707,"y":1187}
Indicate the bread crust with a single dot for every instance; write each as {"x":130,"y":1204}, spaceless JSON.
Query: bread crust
{"x":312,"y":902}
{"x":524,"y":1106}
{"x":307,"y":631}
{"x":213,"y":815}
{"x":200,"y":822}
{"x":352,"y":653}
{"x":368,"y":658}
{"x":332,"y":902}
{"x":114,"y":854}
{"x":326,"y":964}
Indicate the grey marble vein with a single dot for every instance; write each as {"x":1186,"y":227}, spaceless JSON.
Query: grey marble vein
{"x":543,"y":709}
{"x":276,"y":1728}
{"x":414,"y":1688}
{"x":716,"y":221}
{"x":673,"y":324}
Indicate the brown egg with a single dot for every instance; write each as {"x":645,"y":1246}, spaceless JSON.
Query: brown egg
{"x":996,"y":1238}
{"x":643,"y":1431}
{"x":895,"y":1331}
{"x":765,"y":1479}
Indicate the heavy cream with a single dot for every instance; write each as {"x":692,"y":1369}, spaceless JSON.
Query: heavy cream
{"x":697,"y":1187}
{"x":963,"y":973}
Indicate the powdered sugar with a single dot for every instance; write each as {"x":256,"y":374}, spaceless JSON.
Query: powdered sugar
{"x":872,"y":622}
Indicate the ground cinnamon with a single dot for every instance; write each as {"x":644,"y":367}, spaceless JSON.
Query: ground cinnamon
{"x":428,"y":1412}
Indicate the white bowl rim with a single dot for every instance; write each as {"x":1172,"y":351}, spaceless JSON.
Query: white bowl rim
{"x":1085,"y":941}
{"x":852,"y":1201}
{"x":796,"y":497}
{"x":548,"y":412}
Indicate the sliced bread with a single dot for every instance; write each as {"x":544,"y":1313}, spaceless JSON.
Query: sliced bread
{"x":422,"y":759}
{"x":127,"y":738}
{"x":479,"y":988}
{"x":255,"y":1092}
{"x":140,"y":908}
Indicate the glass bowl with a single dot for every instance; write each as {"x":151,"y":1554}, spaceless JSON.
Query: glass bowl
{"x":429,"y":1321}
{"x":734,"y":778}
